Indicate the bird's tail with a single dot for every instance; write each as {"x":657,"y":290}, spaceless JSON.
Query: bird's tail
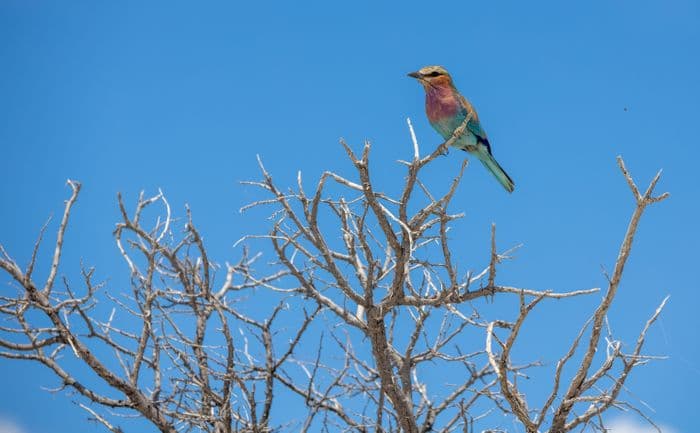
{"x":490,"y":163}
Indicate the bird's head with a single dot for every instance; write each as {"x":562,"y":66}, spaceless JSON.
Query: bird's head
{"x":432,"y":76}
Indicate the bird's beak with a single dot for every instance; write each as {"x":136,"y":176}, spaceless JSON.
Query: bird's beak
{"x":415,"y":75}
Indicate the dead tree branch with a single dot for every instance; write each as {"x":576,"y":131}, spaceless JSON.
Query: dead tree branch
{"x":369,"y":322}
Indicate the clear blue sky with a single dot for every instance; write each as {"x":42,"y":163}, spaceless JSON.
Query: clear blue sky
{"x":125,"y":96}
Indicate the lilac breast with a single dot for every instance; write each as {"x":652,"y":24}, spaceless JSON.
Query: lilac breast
{"x":444,"y":110}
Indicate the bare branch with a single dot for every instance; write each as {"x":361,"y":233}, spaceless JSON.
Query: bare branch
{"x":191,"y":345}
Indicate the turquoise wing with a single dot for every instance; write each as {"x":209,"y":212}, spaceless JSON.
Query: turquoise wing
{"x":474,"y":126}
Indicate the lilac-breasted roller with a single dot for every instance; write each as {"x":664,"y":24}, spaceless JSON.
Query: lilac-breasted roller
{"x":447,"y":109}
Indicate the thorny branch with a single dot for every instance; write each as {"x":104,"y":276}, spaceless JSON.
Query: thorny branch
{"x":181,"y":367}
{"x":605,"y":396}
{"x":365,"y":301}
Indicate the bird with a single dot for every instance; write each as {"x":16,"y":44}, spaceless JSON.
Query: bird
{"x":447,"y":108}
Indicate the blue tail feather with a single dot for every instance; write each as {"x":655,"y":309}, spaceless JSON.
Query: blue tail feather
{"x":490,"y":163}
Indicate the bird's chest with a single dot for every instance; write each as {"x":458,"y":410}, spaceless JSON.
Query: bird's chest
{"x":444,"y":111}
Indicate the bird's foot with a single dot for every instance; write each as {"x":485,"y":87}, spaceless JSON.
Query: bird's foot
{"x":492,"y":294}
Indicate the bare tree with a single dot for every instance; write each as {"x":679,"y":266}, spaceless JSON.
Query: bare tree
{"x":369,"y":325}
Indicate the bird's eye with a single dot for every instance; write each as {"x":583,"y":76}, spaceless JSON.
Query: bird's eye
{"x":433,"y":74}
